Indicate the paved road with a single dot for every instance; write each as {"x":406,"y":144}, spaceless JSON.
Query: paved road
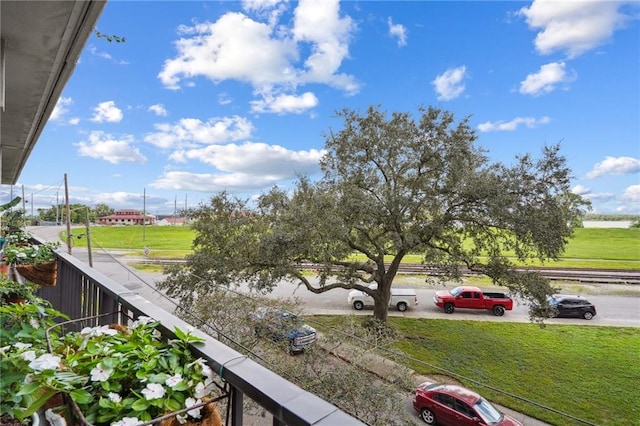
{"x":617,"y":304}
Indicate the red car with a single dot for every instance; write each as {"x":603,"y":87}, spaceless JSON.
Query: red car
{"x":451,"y":405}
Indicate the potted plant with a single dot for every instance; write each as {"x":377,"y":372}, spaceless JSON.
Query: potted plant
{"x":35,"y":262}
{"x":121,"y":376}
{"x":23,"y":332}
{"x":15,"y":292}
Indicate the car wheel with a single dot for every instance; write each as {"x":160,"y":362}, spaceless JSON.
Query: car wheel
{"x":587,"y":315}
{"x":402,"y":306}
{"x":358,"y":305}
{"x":427,"y":416}
{"x":449,"y":308}
{"x":498,"y":310}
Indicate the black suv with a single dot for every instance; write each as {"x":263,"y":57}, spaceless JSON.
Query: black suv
{"x":572,"y":306}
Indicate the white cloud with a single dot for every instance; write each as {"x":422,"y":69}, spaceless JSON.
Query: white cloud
{"x":74,"y":121}
{"x":245,"y":167}
{"x":105,"y":147}
{"x":632,"y":193}
{"x":266,"y":55}
{"x":189,"y":132}
{"x":512,"y":125}
{"x":257,"y":159}
{"x":399,"y":31}
{"x":159,"y":110}
{"x":546,"y":79}
{"x":224,"y":99}
{"x":574,"y":27}
{"x":449,"y":85}
{"x":61,"y":108}
{"x":615,"y":166}
{"x":600,"y":196}
{"x":285,"y":103}
{"x":107,"y":111}
{"x":211,"y":182}
{"x":104,"y":55}
{"x":580,"y":190}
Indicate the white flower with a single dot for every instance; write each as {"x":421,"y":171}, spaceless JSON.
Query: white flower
{"x":153,"y":391}
{"x":28,"y":355}
{"x":190,"y":402}
{"x":114,"y":397}
{"x":174,"y":380}
{"x":202,"y":390}
{"x":21,"y":255}
{"x":98,"y":331}
{"x":21,"y":345}
{"x":182,"y":419}
{"x":100,"y":374}
{"x":45,"y":362}
{"x":127,"y":421}
{"x":142,"y":320}
{"x":206,"y":370}
{"x":5,"y":348}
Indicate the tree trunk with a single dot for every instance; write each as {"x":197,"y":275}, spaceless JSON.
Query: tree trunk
{"x":383,"y":295}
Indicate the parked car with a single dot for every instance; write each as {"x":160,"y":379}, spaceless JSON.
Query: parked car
{"x":401,"y":298}
{"x":466,"y":297}
{"x":566,"y":305}
{"x":284,"y":327}
{"x":451,"y":405}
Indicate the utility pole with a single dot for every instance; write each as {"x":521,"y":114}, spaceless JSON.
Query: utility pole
{"x":88,"y":236}
{"x":144,"y":212}
{"x":68,"y":210}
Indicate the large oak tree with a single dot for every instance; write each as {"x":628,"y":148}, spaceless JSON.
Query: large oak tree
{"x":392,"y":186}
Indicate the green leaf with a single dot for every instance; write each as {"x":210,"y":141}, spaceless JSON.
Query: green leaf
{"x":81,"y":396}
{"x":140,"y":405}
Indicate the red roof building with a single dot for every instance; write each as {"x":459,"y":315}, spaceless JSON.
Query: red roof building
{"x":127,"y":217}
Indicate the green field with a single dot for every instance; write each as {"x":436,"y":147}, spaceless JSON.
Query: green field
{"x":598,"y":248}
{"x":588,"y":372}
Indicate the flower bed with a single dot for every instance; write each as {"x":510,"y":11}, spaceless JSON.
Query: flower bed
{"x":110,"y":375}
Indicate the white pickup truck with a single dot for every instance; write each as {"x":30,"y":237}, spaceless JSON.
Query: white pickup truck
{"x":401,"y":298}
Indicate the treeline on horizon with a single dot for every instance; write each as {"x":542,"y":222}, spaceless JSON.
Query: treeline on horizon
{"x":600,"y":216}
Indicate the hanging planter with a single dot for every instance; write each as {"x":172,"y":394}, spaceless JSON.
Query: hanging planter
{"x":44,"y":274}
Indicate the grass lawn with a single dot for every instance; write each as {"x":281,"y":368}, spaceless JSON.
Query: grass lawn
{"x":600,"y":248}
{"x":589,"y":372}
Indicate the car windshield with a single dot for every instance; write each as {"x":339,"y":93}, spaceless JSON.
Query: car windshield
{"x":487,"y":412}
{"x":552,"y":301}
{"x":456,"y":291}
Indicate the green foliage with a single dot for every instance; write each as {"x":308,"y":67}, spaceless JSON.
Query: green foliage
{"x":109,"y":37}
{"x":22,"y":336}
{"x":19,"y":249}
{"x":10,"y":288}
{"x":635,"y":224}
{"x":11,"y":219}
{"x":392,"y":186}
{"x":111,"y":372}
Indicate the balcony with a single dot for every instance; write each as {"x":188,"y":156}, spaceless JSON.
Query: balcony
{"x":83,"y":292}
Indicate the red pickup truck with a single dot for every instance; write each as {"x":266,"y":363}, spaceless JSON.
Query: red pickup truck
{"x":472,"y":298}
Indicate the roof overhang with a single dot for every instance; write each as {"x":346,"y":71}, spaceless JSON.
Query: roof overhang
{"x":41,"y":43}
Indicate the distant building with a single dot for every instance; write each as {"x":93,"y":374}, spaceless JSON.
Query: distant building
{"x":127,"y":217}
{"x":171,"y":221}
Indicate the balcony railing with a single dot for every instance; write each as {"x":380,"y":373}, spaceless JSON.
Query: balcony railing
{"x":83,"y":292}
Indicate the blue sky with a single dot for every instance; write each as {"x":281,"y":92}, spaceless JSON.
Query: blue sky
{"x":210,"y":96}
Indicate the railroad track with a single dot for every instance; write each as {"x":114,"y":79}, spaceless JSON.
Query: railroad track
{"x":610,"y":276}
